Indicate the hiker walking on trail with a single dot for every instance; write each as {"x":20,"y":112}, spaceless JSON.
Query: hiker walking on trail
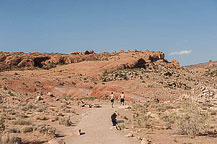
{"x":112,"y":99}
{"x":122,"y":98}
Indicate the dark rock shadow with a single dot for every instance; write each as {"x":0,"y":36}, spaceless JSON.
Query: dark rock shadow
{"x":82,"y":133}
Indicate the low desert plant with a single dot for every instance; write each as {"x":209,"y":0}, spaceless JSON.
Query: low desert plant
{"x":14,"y":130}
{"x":46,"y":129}
{"x":21,"y":122}
{"x":49,"y":66}
{"x":171,"y":118}
{"x":10,"y":93}
{"x":122,"y":126}
{"x":27,"y":129}
{"x":65,"y":121}
{"x":42,"y":118}
{"x":2,"y":125}
{"x":28,"y":107}
{"x":8,"y":138}
{"x":192,"y":122}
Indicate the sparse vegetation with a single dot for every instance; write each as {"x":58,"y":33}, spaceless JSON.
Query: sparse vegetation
{"x":27,"y":129}
{"x":193,"y":121}
{"x":2,"y":125}
{"x":47,"y":129}
{"x":22,"y":122}
{"x":122,"y":126}
{"x":10,"y":93}
{"x":8,"y":138}
{"x":42,"y":118}
{"x":65,"y":121}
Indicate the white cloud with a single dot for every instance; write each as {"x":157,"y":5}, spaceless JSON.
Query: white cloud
{"x":183,"y":52}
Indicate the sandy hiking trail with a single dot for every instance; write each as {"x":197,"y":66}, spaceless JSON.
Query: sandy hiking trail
{"x":96,"y":124}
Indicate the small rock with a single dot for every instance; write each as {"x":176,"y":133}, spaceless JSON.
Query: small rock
{"x":77,"y":132}
{"x":50,"y":94}
{"x":139,"y":138}
{"x":129,"y":135}
{"x":38,"y":98}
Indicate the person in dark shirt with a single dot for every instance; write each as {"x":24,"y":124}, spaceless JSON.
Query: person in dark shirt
{"x":113,"y":118}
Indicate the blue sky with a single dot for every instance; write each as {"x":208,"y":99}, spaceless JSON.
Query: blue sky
{"x":185,"y":30}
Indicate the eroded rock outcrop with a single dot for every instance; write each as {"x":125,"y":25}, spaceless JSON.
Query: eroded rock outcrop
{"x":121,"y":60}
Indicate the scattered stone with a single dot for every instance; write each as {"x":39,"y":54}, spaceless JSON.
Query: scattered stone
{"x":129,"y":135}
{"x":77,"y":132}
{"x":50,"y":94}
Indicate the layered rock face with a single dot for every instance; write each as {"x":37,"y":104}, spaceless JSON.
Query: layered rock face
{"x":134,"y":59}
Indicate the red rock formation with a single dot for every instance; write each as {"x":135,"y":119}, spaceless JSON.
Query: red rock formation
{"x":13,"y":60}
{"x":129,"y":59}
{"x":175,"y":63}
{"x":26,"y":63}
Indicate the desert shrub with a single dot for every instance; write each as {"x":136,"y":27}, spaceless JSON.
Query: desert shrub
{"x":162,"y":107}
{"x":89,"y":98}
{"x":14,"y":130}
{"x":65,"y":121}
{"x":8,"y":138}
{"x":21,"y":122}
{"x":2,"y":125}
{"x":28,"y":107}
{"x":49,"y":66}
{"x":10,"y":93}
{"x":63,"y":105}
{"x":27,"y":129}
{"x":46,"y":129}
{"x":42,"y":118}
{"x":68,"y":98}
{"x":171,"y":118}
{"x":42,"y":109}
{"x":192,"y":122}
{"x":21,"y":115}
{"x":141,"y":118}
{"x":122,"y":126}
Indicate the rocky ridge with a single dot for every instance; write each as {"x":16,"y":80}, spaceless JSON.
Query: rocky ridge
{"x":20,"y":60}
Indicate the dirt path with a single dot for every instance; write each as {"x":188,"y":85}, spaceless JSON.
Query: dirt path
{"x":96,"y":124}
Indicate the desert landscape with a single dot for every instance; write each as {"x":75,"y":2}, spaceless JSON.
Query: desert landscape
{"x":56,"y":98}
